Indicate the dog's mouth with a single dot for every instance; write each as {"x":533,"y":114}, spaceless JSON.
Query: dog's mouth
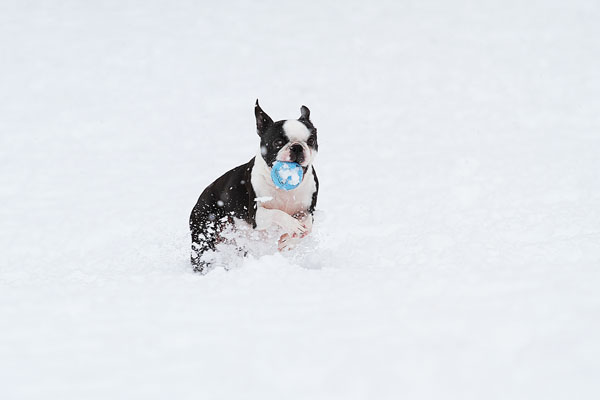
{"x":304,"y":169}
{"x":301,"y":164}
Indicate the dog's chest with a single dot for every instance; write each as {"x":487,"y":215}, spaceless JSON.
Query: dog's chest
{"x":288,"y":201}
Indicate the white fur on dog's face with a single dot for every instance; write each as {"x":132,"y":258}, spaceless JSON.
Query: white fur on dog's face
{"x":297,"y":133}
{"x":285,"y":153}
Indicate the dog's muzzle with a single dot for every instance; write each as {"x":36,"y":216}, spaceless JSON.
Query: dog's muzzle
{"x":297,"y":153}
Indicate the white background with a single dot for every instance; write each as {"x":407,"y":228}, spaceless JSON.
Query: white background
{"x":456,"y":251}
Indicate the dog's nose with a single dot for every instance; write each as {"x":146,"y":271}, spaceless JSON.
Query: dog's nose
{"x":297,"y":153}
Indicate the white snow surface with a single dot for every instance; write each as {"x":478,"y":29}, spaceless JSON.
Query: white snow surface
{"x":459,"y":256}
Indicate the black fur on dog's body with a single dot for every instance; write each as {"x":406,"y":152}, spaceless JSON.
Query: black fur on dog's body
{"x":233,"y":195}
{"x":215,"y":208}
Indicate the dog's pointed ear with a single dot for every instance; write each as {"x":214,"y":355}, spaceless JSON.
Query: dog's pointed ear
{"x":304,"y":113}
{"x":263,"y":121}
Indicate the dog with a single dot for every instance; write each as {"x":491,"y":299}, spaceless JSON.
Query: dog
{"x":247,"y":193}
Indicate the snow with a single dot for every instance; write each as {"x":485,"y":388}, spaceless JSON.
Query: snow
{"x":263,"y":199}
{"x":459,"y":258}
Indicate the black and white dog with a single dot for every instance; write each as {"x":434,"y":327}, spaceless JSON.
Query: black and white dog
{"x":248,"y":194}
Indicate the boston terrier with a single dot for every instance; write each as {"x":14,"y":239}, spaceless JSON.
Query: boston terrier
{"x":247,"y":194}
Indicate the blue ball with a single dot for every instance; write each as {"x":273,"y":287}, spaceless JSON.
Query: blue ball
{"x":286,"y":175}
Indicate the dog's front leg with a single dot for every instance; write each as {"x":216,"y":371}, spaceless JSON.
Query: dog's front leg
{"x":287,"y":241}
{"x":267,"y":217}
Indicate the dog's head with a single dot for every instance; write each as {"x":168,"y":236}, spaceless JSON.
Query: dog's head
{"x":293,"y":140}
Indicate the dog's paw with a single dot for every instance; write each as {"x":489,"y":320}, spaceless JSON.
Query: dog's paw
{"x":294,"y":227}
{"x":288,"y":242}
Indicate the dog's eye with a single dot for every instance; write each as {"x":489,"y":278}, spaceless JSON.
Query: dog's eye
{"x":310,"y":141}
{"x":278,"y":143}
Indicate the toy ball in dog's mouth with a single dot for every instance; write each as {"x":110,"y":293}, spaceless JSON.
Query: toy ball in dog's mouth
{"x":286,"y":175}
